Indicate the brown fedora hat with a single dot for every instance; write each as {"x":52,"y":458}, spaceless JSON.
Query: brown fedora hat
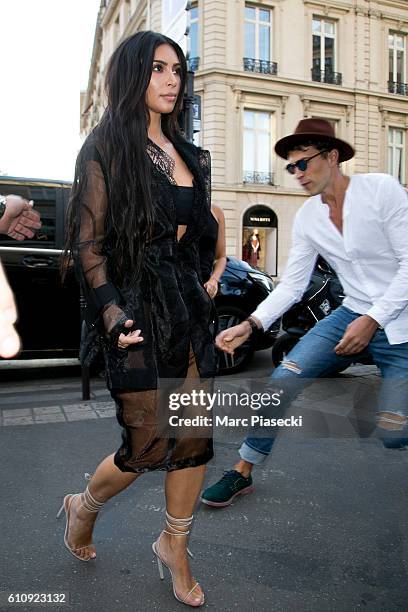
{"x":314,"y":130}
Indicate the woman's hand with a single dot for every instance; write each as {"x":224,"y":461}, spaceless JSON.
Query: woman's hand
{"x":115,"y":320}
{"x":134,"y":337}
{"x":211,"y":286}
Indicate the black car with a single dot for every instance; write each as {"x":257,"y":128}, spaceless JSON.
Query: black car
{"x":49,"y":311}
{"x":242,"y":288}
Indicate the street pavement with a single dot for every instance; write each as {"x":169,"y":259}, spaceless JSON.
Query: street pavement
{"x":325,"y":530}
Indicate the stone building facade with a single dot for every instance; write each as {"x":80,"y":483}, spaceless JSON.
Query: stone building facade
{"x":261,"y":66}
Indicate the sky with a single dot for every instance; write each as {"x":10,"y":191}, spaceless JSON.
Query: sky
{"x":45,"y":53}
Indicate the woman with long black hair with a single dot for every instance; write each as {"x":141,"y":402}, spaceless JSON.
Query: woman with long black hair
{"x":140,"y":200}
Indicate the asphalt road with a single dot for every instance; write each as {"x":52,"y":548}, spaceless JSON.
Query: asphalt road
{"x":325,"y":530}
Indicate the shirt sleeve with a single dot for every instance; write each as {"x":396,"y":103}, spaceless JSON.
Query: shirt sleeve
{"x":295,"y":279}
{"x":394,"y":204}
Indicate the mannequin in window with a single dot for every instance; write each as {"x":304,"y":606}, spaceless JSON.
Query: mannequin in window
{"x":254,"y":246}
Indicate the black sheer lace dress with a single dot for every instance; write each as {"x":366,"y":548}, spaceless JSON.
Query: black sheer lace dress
{"x":208,"y":246}
{"x":168,"y":303}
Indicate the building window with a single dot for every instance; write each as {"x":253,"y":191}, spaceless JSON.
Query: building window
{"x":324,"y":52}
{"x":396,"y":64}
{"x":257,"y":148}
{"x":396,"y":155}
{"x":258,"y":40}
{"x":193,"y":53}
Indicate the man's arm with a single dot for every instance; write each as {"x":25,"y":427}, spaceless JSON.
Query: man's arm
{"x":395,"y":222}
{"x":17,"y":217}
{"x":295,"y":279}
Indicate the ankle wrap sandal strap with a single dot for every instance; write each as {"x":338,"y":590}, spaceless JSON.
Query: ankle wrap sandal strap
{"x":89,"y":502}
{"x":177,"y":525}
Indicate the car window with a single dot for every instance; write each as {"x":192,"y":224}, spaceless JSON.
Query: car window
{"x":45,"y":202}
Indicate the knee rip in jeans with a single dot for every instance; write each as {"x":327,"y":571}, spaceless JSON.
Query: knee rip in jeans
{"x":391,"y":421}
{"x":292,"y":366}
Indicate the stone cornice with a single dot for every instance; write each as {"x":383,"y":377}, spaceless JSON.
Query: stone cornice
{"x":240,"y":90}
{"x":110,"y":9}
{"x":258,"y":81}
{"x":399,"y":22}
{"x":258,"y":189}
{"x":134,"y":21}
{"x":326,"y":6}
{"x":389,"y":110}
{"x":308,"y":100}
{"x":309,"y":89}
{"x":399,"y":4}
{"x":321,"y":99}
{"x":96,"y":50}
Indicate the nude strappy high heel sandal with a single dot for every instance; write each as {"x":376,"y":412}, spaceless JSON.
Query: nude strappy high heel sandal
{"x":89,"y":503}
{"x":175,"y":525}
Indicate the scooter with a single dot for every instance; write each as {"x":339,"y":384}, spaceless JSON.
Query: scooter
{"x":323,"y":295}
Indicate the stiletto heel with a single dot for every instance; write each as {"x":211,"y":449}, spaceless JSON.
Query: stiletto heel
{"x":160,"y":566}
{"x":89,"y":503}
{"x":174,"y":524}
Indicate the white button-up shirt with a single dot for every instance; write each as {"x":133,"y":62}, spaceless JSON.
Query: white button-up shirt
{"x":370,"y":257}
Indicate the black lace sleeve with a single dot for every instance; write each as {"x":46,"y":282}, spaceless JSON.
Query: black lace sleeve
{"x":89,"y":201}
{"x":204,"y":160}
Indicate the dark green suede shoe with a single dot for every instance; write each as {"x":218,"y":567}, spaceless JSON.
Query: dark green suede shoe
{"x":223,"y":492}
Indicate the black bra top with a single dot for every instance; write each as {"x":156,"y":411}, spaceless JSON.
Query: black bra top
{"x":183,"y":200}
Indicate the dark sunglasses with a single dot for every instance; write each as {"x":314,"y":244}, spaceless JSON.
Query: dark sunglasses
{"x":301,"y":164}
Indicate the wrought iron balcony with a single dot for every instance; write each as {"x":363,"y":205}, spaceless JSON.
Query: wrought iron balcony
{"x":259,"y":178}
{"x":193,"y":63}
{"x":398,"y":88}
{"x":262,"y":66}
{"x":326,"y":76}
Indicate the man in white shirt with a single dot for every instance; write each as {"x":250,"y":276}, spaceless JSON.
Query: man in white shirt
{"x":360,"y":226}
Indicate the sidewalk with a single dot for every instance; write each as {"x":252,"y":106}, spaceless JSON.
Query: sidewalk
{"x":325,"y":530}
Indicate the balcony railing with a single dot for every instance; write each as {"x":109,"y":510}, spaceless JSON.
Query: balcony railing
{"x":259,"y":178}
{"x":262,"y":66}
{"x":193,"y":63}
{"x":326,"y":76}
{"x":398,"y":88}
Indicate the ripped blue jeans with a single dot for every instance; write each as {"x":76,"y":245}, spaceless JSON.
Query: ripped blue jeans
{"x":314,"y":357}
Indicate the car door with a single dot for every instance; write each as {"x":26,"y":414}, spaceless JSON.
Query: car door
{"x":48,"y":310}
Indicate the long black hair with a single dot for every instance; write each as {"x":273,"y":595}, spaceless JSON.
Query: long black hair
{"x":121,"y":139}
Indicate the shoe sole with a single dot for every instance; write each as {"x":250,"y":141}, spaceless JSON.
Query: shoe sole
{"x":229,"y":501}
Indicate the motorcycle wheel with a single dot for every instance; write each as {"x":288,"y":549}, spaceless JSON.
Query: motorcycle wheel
{"x":228,"y":316}
{"x":282,"y":346}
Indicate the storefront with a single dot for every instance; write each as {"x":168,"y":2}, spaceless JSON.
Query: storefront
{"x":260,"y":238}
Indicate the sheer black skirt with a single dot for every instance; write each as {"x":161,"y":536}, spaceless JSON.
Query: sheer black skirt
{"x":147,"y":444}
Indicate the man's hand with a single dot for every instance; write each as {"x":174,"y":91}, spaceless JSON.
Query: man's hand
{"x":19,"y":219}
{"x":229,"y":339}
{"x":357,"y":336}
{"x":9,"y":340}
